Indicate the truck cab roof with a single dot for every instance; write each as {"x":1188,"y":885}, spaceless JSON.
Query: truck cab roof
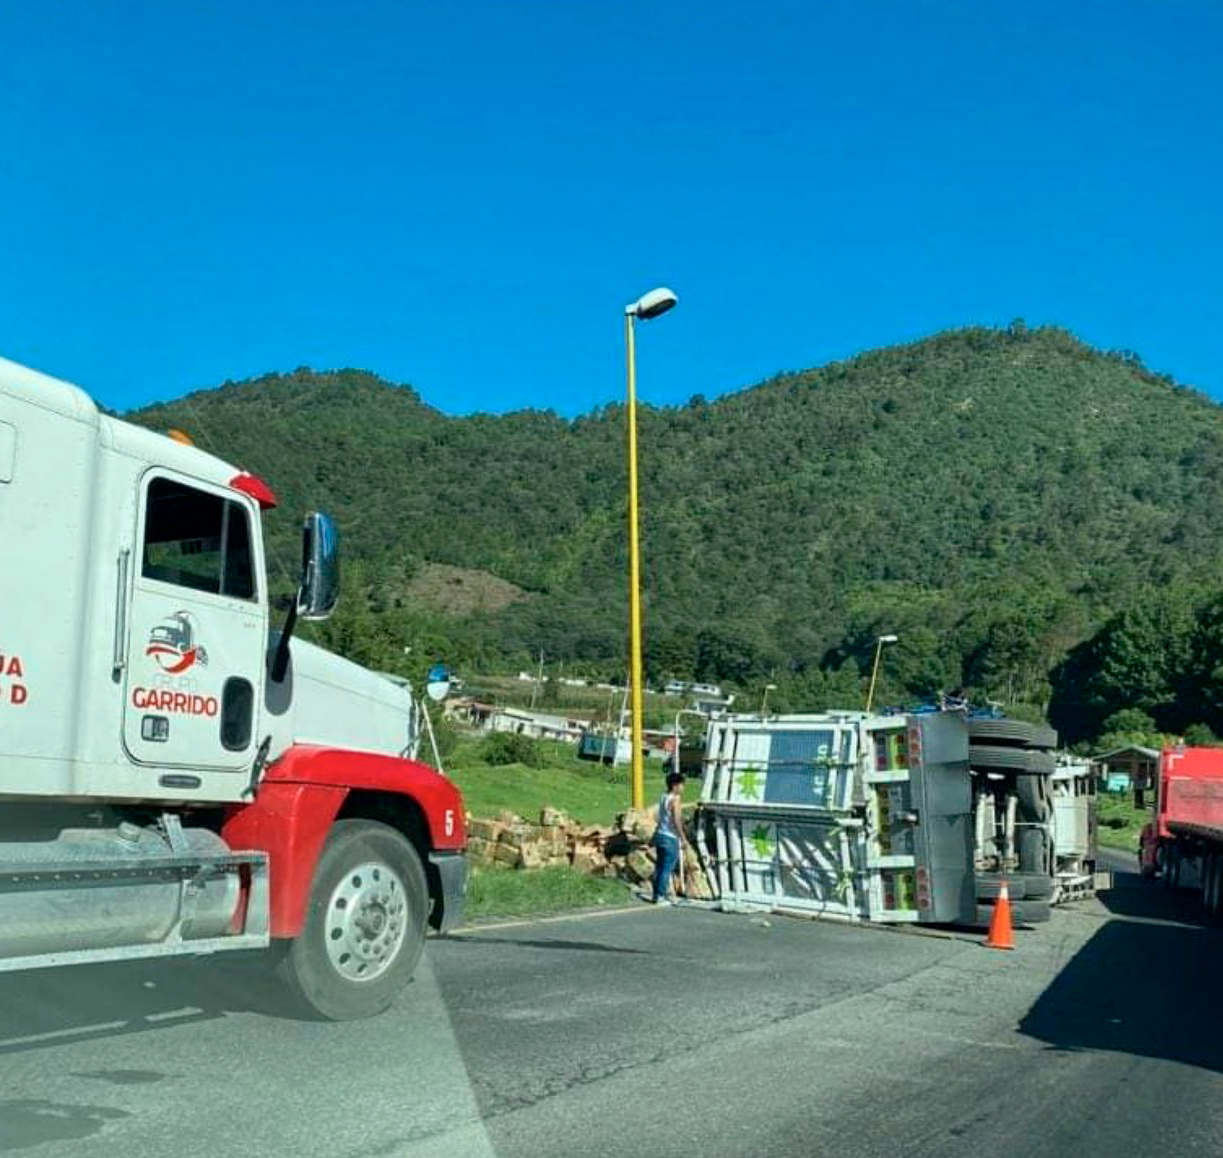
{"x":69,"y":401}
{"x":50,"y":393}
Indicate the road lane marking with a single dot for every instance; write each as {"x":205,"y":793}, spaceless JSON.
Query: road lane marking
{"x":519,"y":922}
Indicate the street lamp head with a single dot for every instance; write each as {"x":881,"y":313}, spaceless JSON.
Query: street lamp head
{"x":888,"y":638}
{"x":652,"y":305}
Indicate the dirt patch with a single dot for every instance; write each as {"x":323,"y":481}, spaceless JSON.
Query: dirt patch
{"x":460,"y":591}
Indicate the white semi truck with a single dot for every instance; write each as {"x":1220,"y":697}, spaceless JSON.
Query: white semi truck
{"x":179,"y":775}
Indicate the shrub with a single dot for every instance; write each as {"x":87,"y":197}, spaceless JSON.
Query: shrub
{"x":443,"y":732}
{"x":511,"y":748}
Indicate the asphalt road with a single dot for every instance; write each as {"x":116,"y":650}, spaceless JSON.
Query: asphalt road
{"x":659,"y":1031}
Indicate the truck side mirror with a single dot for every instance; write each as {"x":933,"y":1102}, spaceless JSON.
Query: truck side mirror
{"x":320,"y":583}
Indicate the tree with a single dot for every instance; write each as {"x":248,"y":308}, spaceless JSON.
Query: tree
{"x":918,"y":666}
{"x":1127,"y":728}
{"x":1140,"y":659}
{"x":1203,"y":676}
{"x":995,"y":497}
{"x":1130,"y":721}
{"x":1200,"y":736}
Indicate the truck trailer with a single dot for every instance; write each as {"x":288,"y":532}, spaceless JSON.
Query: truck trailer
{"x":180,"y":775}
{"x":1183,"y":842}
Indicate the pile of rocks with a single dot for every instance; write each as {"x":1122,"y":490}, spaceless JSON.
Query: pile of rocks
{"x":623,"y":850}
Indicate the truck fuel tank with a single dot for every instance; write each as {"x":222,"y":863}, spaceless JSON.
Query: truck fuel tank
{"x":103,"y":888}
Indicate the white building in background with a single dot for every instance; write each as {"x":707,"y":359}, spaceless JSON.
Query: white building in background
{"x":538,"y":725}
{"x":684,"y":687}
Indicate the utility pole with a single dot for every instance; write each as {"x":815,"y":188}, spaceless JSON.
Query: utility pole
{"x":539,"y":679}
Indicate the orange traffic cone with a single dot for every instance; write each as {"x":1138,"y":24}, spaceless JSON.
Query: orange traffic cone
{"x":1001,"y":932}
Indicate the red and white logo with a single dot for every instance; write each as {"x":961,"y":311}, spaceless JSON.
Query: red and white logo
{"x":173,"y":646}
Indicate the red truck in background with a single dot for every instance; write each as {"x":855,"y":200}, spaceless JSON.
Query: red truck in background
{"x":1184,"y":840}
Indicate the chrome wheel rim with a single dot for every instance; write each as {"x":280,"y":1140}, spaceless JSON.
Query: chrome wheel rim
{"x":366,"y":921}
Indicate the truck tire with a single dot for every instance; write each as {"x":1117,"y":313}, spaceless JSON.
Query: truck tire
{"x":1170,"y":865}
{"x":1027,"y":760}
{"x":1212,"y":887}
{"x":1034,"y":851}
{"x":365,"y":924}
{"x":1019,"y":886}
{"x":989,"y":886}
{"x":1032,"y":912}
{"x":1146,"y":871}
{"x":1035,"y":798}
{"x":1215,"y":912}
{"x":1012,"y":732}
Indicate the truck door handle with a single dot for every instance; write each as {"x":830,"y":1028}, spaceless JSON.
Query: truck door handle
{"x":119,"y":659}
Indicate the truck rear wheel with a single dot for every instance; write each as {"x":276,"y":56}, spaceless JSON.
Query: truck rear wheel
{"x":1212,"y":887}
{"x":365,"y":923}
{"x":1170,"y":865}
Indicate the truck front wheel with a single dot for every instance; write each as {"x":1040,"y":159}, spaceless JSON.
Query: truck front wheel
{"x":365,"y":923}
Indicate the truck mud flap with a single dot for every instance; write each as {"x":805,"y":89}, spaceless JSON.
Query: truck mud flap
{"x":452,"y":879}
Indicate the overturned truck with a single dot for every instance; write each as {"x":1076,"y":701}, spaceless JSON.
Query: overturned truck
{"x":894,"y":818}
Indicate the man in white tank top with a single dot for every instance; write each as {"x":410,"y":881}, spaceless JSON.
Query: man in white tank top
{"x":668,"y":837}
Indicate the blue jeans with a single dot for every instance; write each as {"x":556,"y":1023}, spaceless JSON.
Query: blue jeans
{"x":667,"y":849}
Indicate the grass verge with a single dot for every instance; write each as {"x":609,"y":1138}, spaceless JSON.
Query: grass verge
{"x":1119,"y":823}
{"x":590,"y":792}
{"x":497,"y":892}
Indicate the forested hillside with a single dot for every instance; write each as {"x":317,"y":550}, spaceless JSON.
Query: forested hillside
{"x":996,"y":498}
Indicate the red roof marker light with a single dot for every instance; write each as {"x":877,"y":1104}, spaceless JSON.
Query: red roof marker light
{"x":254,"y":486}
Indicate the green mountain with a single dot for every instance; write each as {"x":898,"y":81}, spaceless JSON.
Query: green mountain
{"x":992,"y":496}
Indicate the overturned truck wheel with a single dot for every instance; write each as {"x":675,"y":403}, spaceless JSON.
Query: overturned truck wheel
{"x":365,"y":924}
{"x":1016,"y":732}
{"x":1020,"y":885}
{"x":1035,"y":798}
{"x":1020,"y":760}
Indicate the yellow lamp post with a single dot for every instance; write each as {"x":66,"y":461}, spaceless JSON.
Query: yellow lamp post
{"x":651,"y":305}
{"x":870,"y":695}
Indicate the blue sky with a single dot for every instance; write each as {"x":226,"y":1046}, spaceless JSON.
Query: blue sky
{"x":463,"y":195}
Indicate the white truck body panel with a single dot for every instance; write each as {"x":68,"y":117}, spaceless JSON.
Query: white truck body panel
{"x":840,"y":814}
{"x":114,"y":664}
{"x":338,"y":703}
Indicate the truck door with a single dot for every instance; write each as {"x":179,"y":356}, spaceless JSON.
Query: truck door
{"x":197,"y":627}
